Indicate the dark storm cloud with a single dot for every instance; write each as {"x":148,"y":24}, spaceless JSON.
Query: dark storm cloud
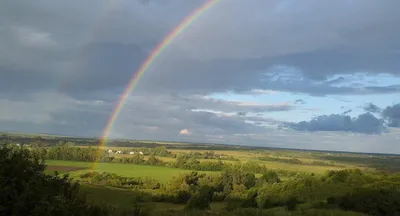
{"x":364,"y":123}
{"x":103,"y":66}
{"x":110,"y":65}
{"x":223,"y":75}
{"x":383,"y":89}
{"x":372,"y":108}
{"x":366,"y":42}
{"x":299,"y":101}
{"x":392,"y":115}
{"x":53,"y":113}
{"x":118,"y":36}
{"x":53,"y":49}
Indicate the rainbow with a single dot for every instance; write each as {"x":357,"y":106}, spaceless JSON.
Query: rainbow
{"x":144,"y":67}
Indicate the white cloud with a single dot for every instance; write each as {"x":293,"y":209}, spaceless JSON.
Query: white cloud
{"x":184,"y":132}
{"x":262,"y":91}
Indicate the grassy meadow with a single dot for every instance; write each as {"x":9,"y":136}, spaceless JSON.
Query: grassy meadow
{"x":161,"y":174}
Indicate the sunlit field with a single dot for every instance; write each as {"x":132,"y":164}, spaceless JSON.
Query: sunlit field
{"x":162,"y":174}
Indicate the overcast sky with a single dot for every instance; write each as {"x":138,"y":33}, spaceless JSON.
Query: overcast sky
{"x":316,"y":74}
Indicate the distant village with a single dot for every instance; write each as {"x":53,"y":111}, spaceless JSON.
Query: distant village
{"x":120,"y":152}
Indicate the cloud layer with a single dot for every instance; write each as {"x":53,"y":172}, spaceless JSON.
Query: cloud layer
{"x":63,"y":72}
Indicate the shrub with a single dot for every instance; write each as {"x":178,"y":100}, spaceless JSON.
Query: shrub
{"x":201,"y":199}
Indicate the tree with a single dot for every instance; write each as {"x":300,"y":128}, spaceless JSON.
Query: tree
{"x":373,"y":201}
{"x":271,"y":177}
{"x":26,"y":190}
{"x":153,"y":160}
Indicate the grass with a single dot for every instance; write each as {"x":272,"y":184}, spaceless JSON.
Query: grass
{"x":108,"y":195}
{"x":124,"y":198}
{"x":62,"y":169}
{"x":298,"y":167}
{"x":285,"y":166}
{"x":161,"y":174}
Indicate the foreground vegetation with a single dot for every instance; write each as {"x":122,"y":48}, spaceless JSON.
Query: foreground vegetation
{"x":164,"y":181}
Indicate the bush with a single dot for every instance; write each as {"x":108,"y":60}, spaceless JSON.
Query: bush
{"x":152,"y":160}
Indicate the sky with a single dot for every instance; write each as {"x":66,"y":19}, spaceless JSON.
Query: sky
{"x":310,"y":74}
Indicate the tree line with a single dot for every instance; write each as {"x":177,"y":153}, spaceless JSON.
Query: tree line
{"x":49,"y":140}
{"x":354,"y":190}
{"x":296,"y":161}
{"x":67,"y":151}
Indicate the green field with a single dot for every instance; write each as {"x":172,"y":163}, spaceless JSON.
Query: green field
{"x":161,"y":174}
